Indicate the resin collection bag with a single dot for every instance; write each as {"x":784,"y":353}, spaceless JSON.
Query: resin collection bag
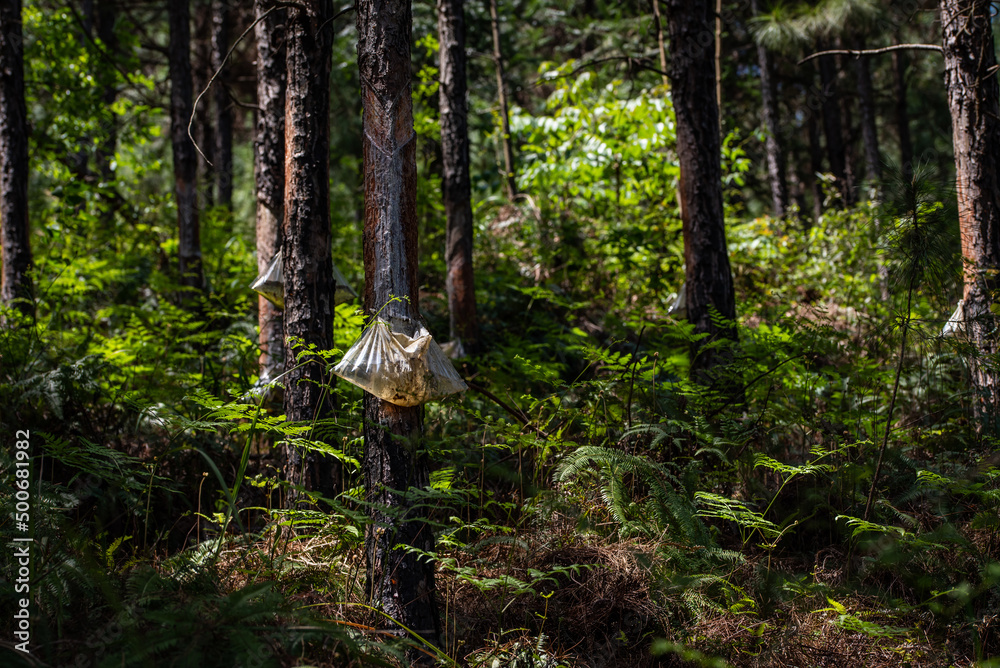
{"x":679,"y":308}
{"x":403,"y":370}
{"x":271,"y":285}
{"x":956,"y":323}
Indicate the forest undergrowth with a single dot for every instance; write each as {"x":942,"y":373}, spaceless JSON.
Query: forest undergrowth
{"x":592,"y":505}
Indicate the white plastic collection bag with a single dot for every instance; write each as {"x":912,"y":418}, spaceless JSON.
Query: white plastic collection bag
{"x":956,"y":323}
{"x":271,"y":285}
{"x":679,"y":308}
{"x":453,"y":349}
{"x":403,"y":370}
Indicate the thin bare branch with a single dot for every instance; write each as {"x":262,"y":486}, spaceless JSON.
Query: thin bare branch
{"x":873,"y":52}
{"x":194,"y":108}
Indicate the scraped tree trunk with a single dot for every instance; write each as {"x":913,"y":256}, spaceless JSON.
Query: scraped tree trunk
{"x":269,"y":172}
{"x":223,"y":107}
{"x":455,"y":182}
{"x":772,"y":142}
{"x":902,"y":112}
{"x":16,"y":288}
{"x":510,"y":178}
{"x":971,"y":81}
{"x":306,"y":238}
{"x":188,"y":229}
{"x":709,"y":279}
{"x":869,"y":131}
{"x":399,"y":584}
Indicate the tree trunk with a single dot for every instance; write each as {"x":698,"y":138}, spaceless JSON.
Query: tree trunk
{"x":107,"y":142}
{"x":399,"y":584}
{"x":816,"y":165}
{"x":718,"y":60}
{"x":223,"y":107}
{"x":902,"y":113}
{"x":505,"y":139}
{"x":709,"y":280}
{"x":188,"y":230}
{"x":869,"y":133}
{"x":203,"y":128}
{"x":971,"y":81}
{"x":659,"y":41}
{"x":455,"y":177}
{"x":16,"y":289}
{"x":772,"y":141}
{"x":306,"y":239}
{"x":833,"y":128}
{"x":849,"y":189}
{"x":78,"y":162}
{"x":269,"y":173}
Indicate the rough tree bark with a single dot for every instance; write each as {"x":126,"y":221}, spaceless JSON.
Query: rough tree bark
{"x":772,"y":142}
{"x":269,"y":171}
{"x":15,"y":289}
{"x":460,"y":282}
{"x":510,"y":177}
{"x":973,"y":93}
{"x":185,"y":166}
{"x":399,"y":584}
{"x":223,"y":107}
{"x":718,"y":60}
{"x":306,"y":237}
{"x":709,"y":279}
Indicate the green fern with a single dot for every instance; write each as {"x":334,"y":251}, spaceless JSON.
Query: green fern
{"x":663,"y":508}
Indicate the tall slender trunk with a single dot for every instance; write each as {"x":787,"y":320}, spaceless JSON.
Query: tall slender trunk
{"x":816,"y":165}
{"x":399,"y":583}
{"x":204,"y":126}
{"x":107,"y":142}
{"x":772,"y":141}
{"x":16,"y":289}
{"x":188,"y":229}
{"x":269,"y":174}
{"x":306,"y":238}
{"x":709,"y":279}
{"x":869,"y":132}
{"x":971,"y":80}
{"x":78,"y":162}
{"x":223,"y":107}
{"x":902,"y":112}
{"x":506,"y":141}
{"x":455,"y":182}
{"x":718,"y":59}
{"x":658,"y":23}
{"x":833,"y":128}
{"x":849,"y":188}
{"x":797,"y":194}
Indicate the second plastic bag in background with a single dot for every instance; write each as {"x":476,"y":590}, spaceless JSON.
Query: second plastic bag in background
{"x":270,"y":284}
